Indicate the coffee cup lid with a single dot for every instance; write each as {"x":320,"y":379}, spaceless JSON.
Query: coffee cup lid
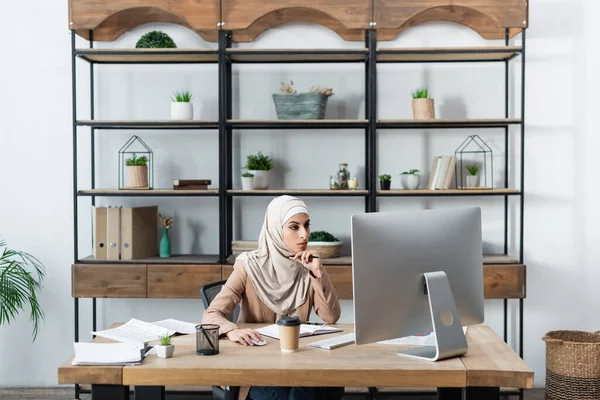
{"x":289,"y":321}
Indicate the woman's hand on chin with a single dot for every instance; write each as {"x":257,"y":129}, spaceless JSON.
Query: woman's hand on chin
{"x":310,"y":260}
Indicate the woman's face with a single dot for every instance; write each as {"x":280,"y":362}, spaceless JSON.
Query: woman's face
{"x":296,"y":231}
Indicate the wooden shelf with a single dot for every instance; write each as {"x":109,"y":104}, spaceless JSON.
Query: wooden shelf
{"x":242,"y":55}
{"x":446,"y":123}
{"x":448,"y":192}
{"x":448,"y":54}
{"x":152,"y":124}
{"x":143,"y":56}
{"x":489,"y":259}
{"x":299,"y":192}
{"x":298,"y":124}
{"x":184,"y":259}
{"x":148,"y":193}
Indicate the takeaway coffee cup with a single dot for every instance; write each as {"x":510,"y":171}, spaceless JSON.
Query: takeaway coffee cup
{"x":289,"y":334}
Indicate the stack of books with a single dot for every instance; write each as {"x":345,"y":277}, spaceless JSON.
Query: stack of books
{"x":191,"y":184}
{"x":442,"y":172}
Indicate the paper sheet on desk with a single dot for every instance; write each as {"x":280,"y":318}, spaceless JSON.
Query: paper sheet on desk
{"x":135,"y":331}
{"x":425,"y":340}
{"x":186,"y":328}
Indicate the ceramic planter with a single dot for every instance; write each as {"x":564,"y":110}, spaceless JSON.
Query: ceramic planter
{"x":423,"y":109}
{"x":410,"y":181}
{"x":472,"y":180}
{"x":164,"y":351}
{"x":181,"y":111}
{"x":136,"y":177}
{"x":261,"y":179}
{"x":247,"y":183}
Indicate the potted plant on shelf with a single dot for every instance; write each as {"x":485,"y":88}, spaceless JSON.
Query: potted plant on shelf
{"x":385,"y":181}
{"x":247,"y":181}
{"x":155,"y":40}
{"x":324,"y":244}
{"x":21,"y":279}
{"x":260,"y":166}
{"x":165,"y":348}
{"x":136,"y":172}
{"x":410,"y":179}
{"x":165,"y":242}
{"x":181,"y":108}
{"x":422,"y":105}
{"x":472,"y":178}
{"x":292,"y":105}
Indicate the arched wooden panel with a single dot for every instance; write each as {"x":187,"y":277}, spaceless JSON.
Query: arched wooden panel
{"x":489,"y":18}
{"x":111,"y":18}
{"x":283,"y":16}
{"x":241,"y":14}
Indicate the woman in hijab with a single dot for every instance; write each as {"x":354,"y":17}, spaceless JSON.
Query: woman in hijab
{"x":278,"y":279}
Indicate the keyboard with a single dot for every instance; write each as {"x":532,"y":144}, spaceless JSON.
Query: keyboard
{"x":334,"y":342}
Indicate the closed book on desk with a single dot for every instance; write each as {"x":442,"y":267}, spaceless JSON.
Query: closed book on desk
{"x":99,"y":222}
{"x":113,"y":232}
{"x":139,"y":232}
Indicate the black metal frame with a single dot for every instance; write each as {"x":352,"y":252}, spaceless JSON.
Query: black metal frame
{"x":225,"y":126}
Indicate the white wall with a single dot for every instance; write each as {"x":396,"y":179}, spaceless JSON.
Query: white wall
{"x":36,"y":159}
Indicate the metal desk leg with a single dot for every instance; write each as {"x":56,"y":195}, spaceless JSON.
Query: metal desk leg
{"x":449,"y":393}
{"x":149,"y":392}
{"x":110,"y":392}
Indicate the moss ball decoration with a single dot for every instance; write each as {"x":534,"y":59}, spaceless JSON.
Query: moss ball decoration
{"x":156,"y":40}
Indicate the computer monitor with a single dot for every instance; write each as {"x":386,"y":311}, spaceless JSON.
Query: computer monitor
{"x":417,"y":272}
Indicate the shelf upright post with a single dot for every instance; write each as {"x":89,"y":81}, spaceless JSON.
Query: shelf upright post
{"x":225,"y":151}
{"x":371,"y":114}
{"x":506,"y":170}
{"x":93,"y":162}
{"x":522,"y":198}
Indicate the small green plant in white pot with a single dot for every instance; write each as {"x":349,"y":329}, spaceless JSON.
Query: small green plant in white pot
{"x":181,"y":108}
{"x":473,"y":177}
{"x":165,"y":348}
{"x":260,"y":166}
{"x":247,"y":180}
{"x":411,"y":179}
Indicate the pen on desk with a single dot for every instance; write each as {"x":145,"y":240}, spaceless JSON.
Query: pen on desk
{"x":311,"y":256}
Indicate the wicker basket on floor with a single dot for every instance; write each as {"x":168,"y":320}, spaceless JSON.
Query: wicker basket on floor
{"x":325,"y":249}
{"x":572,"y":365}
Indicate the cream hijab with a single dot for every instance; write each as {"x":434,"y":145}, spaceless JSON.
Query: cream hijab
{"x":281,"y":283}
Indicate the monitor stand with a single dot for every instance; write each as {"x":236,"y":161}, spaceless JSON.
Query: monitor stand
{"x":447,"y":328}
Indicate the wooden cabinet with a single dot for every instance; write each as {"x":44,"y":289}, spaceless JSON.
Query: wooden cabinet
{"x":180,"y":281}
{"x":108,"y":280}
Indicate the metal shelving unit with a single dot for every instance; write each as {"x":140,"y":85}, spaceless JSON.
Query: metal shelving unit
{"x":224,"y":57}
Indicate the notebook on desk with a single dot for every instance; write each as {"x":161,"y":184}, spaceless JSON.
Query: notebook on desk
{"x":305,"y":330}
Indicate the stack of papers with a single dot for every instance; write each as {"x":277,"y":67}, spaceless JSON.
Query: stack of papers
{"x":305,"y":330}
{"x":139,"y":331}
{"x":109,"y":353}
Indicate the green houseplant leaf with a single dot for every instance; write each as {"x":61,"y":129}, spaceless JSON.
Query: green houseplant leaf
{"x":182,"y":97}
{"x":258,"y":162}
{"x":385,"y":177}
{"x":473,"y":169}
{"x":136,"y":161}
{"x":21,"y":276}
{"x":156,"y":40}
{"x":322,"y":236}
{"x":422,"y":93}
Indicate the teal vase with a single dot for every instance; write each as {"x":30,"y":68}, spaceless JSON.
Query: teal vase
{"x":165,"y":244}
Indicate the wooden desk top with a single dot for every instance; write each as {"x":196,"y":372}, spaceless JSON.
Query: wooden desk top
{"x":489,"y":362}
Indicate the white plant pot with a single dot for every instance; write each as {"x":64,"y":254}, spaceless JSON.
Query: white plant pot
{"x":247,"y":183}
{"x":181,"y":111}
{"x":410,"y":181}
{"x":164,"y":351}
{"x":472,"y":180}
{"x":261,"y":179}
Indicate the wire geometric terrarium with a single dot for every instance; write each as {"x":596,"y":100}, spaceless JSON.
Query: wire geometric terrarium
{"x":480,"y":162}
{"x":136,"y":165}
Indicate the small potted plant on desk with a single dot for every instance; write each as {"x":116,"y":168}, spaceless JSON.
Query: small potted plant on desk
{"x":260,"y":166}
{"x":181,"y":108}
{"x":385,"y":181}
{"x":324,"y":244}
{"x":247,"y":181}
{"x":472,"y":178}
{"x":165,"y":348}
{"x":410,"y":179}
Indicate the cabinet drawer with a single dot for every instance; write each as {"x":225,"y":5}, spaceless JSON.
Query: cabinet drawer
{"x":123,"y":281}
{"x":180,"y":281}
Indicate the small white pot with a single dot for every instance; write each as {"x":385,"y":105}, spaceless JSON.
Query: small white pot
{"x":247,"y":183}
{"x":472,"y":180}
{"x":181,"y":111}
{"x":410,"y":181}
{"x":164,"y":351}
{"x":261,"y":179}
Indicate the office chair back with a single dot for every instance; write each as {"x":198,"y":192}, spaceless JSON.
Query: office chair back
{"x":208,"y":294}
